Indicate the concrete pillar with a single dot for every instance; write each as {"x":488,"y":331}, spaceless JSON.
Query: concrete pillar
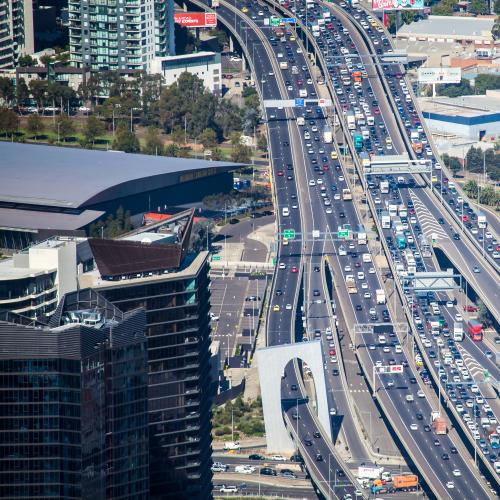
{"x":231,"y":44}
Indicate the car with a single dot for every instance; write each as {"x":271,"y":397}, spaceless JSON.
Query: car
{"x":219,"y":467}
{"x":445,"y":456}
{"x":317,"y":434}
{"x":427,"y":428}
{"x":288,"y":474}
{"x":453,"y":450}
{"x":267,"y":471}
{"x":437,"y":442}
{"x":419,"y":416}
{"x":228,"y":488}
{"x":308,"y":442}
{"x":333,"y":412}
{"x":294,"y":387}
{"x":456,"y":472}
{"x":319,"y":457}
{"x":244,"y":469}
{"x":450,"y":485}
{"x":278,"y":458}
{"x":276,"y":308}
{"x":256,"y":456}
{"x":294,"y":269}
{"x":414,"y":427}
{"x":476,"y":269}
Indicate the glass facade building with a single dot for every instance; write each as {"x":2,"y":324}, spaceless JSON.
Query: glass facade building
{"x":73,"y":403}
{"x":180,"y":389}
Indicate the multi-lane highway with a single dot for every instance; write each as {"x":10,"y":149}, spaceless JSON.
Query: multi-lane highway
{"x":309,"y":183}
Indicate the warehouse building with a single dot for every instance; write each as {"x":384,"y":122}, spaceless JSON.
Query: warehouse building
{"x":52,"y":190}
{"x":472,"y":117}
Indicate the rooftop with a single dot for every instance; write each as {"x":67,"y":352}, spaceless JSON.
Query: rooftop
{"x":467,"y":106}
{"x":70,"y":178}
{"x":455,"y":27}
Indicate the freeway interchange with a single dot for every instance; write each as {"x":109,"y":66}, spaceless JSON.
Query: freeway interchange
{"x":309,"y":181}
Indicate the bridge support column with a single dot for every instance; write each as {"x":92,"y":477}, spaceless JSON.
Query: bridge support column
{"x":272,"y":362}
{"x":231,"y":44}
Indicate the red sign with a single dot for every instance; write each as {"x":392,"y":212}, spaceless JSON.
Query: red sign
{"x":396,"y":369}
{"x":196,"y":19}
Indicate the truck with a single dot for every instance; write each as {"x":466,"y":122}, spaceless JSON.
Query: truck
{"x":384,"y":187}
{"x":301,"y":121}
{"x":475,"y":330}
{"x":351,"y":120}
{"x":417,"y":147}
{"x":385,"y":220}
{"x":414,"y":135}
{"x":404,"y":482}
{"x":295,"y":70}
{"x":434,"y":325}
{"x":351,"y":284}
{"x":380,"y":295}
{"x":327,"y":135}
{"x":481,"y":220}
{"x":346,"y":194}
{"x":361,"y":235}
{"x":402,"y":210}
{"x":370,"y":472}
{"x":393,"y":209}
{"x":356,"y":76}
{"x":232,"y":445}
{"x":458,"y":331}
{"x":283,"y":65}
{"x":494,"y":440}
{"x":447,"y":356}
{"x":365,"y":159}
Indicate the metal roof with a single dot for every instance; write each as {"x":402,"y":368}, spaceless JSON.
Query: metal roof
{"x":453,"y":27}
{"x":72,"y":178}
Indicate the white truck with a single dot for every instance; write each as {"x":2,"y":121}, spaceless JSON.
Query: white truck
{"x":361,"y":235}
{"x":232,"y":446}
{"x":458,"y":331}
{"x":283,"y":65}
{"x":351,"y":120}
{"x":380,"y":294}
{"x":370,"y":472}
{"x":327,"y":135}
{"x":301,"y":121}
{"x":481,"y":220}
{"x":351,"y":284}
{"x":385,"y":220}
{"x":384,"y":187}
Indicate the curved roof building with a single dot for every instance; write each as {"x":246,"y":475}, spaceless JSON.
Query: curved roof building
{"x":46,"y":189}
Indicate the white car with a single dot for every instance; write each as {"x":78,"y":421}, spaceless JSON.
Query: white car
{"x":421,"y":394}
{"x":456,"y":472}
{"x":333,"y":412}
{"x":414,"y":427}
{"x":450,"y":485}
{"x":214,"y":317}
{"x":312,"y":183}
{"x":278,"y":458}
{"x":488,"y":235}
{"x":364,"y":285}
{"x":371,"y":270}
{"x":319,"y":181}
{"x":288,"y":307}
{"x":367,"y":295}
{"x":458,"y":317}
{"x":449,"y":303}
{"x":244,"y":469}
{"x":282,"y":265}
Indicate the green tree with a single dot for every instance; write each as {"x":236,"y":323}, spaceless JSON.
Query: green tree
{"x":478,"y":7}
{"x":22,"y":92}
{"x":208,"y":138}
{"x":64,"y":127}
{"x":495,"y":31}
{"x":485,"y":82}
{"x":38,"y":89}
{"x":25,"y":61}
{"x":35,"y":125}
{"x":9,"y":122}
{"x":454,"y":89}
{"x":470,"y":188}
{"x":408,"y":16}
{"x":171,"y":149}
{"x":474,"y":159}
{"x":444,"y":8}
{"x":126,"y":140}
{"x":46,"y":59}
{"x":484,"y":315}
{"x":262,"y":142}
{"x":241,"y":154}
{"x":452,"y":162}
{"x":7,"y":90}
{"x":93,"y":129}
{"x":154,"y":144}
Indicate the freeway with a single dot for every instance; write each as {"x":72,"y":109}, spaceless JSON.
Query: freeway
{"x":287,"y":158}
{"x":382,"y":127}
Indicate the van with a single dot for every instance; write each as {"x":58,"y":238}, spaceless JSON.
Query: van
{"x":302,"y":93}
{"x":232,"y":445}
{"x":409,"y":398}
{"x":367,"y":257}
{"x":285,"y":211}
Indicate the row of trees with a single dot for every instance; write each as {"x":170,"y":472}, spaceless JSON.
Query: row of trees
{"x":482,"y":83}
{"x":476,"y":7}
{"x":487,"y":195}
{"x":477,"y":161}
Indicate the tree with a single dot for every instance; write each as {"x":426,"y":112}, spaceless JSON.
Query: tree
{"x":7,"y":90}
{"x":208,"y":138}
{"x":64,"y":127}
{"x":452,"y":162}
{"x":478,"y":7}
{"x":241,"y":154}
{"x":22,"y":92}
{"x":483,"y":314}
{"x":262,"y":142}
{"x":444,"y":8}
{"x":454,"y":89}
{"x":495,"y":31}
{"x":46,"y":59}
{"x":126,"y":140}
{"x":38,"y":89}
{"x":407,"y":16}
{"x":9,"y":122}
{"x":171,"y":149}
{"x":474,"y":159}
{"x":470,"y":188}
{"x":496,"y":7}
{"x":35,"y":125}
{"x":25,"y":61}
{"x":154,"y":144}
{"x":93,"y":129}
{"x":485,"y":82}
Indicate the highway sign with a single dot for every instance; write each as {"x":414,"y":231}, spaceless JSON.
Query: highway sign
{"x":289,"y":20}
{"x":299,"y":103}
{"x":216,"y":257}
{"x":342,"y":233}
{"x":275,"y":21}
{"x":289,"y":234}
{"x":396,"y":369}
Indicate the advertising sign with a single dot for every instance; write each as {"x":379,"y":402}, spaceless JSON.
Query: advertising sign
{"x":396,"y":369}
{"x":439,"y":75}
{"x":196,"y":19}
{"x":397,"y":4}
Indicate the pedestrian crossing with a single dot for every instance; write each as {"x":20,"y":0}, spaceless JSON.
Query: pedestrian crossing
{"x":427,"y":221}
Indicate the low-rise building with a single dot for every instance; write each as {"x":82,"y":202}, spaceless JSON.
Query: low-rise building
{"x":205,"y":65}
{"x":72,"y":77}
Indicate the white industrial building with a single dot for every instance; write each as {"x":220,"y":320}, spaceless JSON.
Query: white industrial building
{"x":474,"y":117}
{"x":205,"y":65}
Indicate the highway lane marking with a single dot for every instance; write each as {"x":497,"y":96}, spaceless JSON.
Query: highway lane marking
{"x":427,"y":221}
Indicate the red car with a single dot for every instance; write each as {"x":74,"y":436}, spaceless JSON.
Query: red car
{"x":281,"y":173}
{"x":470,"y":309}
{"x":326,"y":168}
{"x":376,"y":111}
{"x":465,"y":218}
{"x":294,"y":269}
{"x":332,"y":352}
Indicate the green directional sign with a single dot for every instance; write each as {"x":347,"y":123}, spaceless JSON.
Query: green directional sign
{"x":216,"y":257}
{"x":486,"y":375}
{"x":343,"y":233}
{"x":289,"y":234}
{"x":275,"y":21}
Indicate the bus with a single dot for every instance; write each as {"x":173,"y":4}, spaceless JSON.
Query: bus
{"x":358,"y":142}
{"x":401,"y":241}
{"x":346,"y":194}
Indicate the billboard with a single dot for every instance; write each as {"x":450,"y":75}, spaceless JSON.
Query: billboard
{"x":439,"y":75}
{"x":196,"y":19}
{"x":397,"y":4}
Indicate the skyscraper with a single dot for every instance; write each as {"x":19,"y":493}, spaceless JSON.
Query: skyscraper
{"x":16,"y":31}
{"x":119,"y":34}
{"x":73,"y":403}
